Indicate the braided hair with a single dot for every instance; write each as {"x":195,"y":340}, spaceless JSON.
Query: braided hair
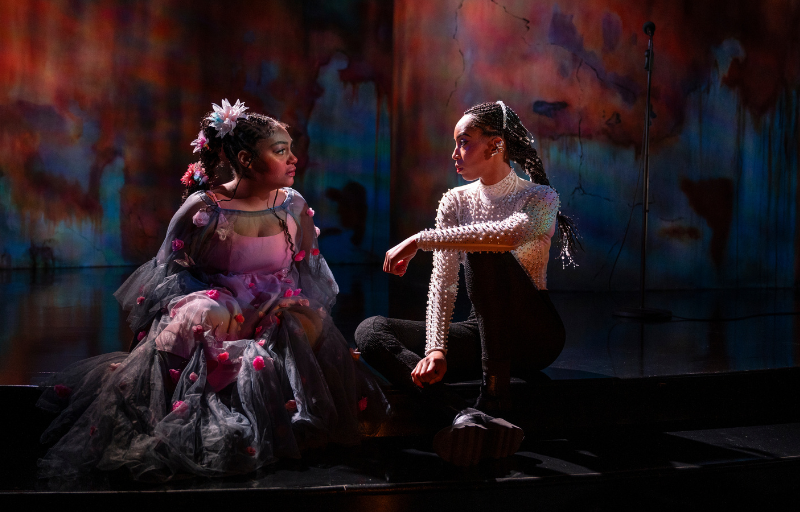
{"x":498,"y":120}
{"x":248,"y":132}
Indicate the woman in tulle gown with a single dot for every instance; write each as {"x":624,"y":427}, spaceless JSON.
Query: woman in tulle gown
{"x":237,"y":362}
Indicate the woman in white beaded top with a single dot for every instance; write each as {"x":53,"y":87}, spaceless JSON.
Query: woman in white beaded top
{"x":500,"y":228}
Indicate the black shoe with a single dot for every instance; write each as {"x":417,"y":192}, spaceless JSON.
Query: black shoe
{"x":475,"y":436}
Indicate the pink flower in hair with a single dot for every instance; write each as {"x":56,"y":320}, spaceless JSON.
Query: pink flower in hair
{"x":193,"y":377}
{"x":139,"y":300}
{"x":113,"y":366}
{"x":258,"y":363}
{"x":225,"y":117}
{"x":196,"y":173}
{"x":315,"y":252}
{"x":200,"y":142}
{"x":177,"y":245}
{"x":300,"y":255}
{"x":62,"y":391}
{"x":213,"y":294}
{"x":316,"y":229}
{"x":175,"y":375}
{"x":310,"y":212}
{"x":223,"y":357}
{"x":362,"y":404}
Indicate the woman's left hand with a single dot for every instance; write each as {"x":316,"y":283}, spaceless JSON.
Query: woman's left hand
{"x":397,"y":257}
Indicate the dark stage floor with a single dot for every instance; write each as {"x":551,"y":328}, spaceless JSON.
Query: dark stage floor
{"x":686,"y":414}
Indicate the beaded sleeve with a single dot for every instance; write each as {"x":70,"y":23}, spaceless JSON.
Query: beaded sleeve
{"x":535,"y":217}
{"x":444,"y":281}
{"x":531,"y":216}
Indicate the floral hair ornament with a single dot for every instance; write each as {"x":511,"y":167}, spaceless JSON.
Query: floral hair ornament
{"x":196,"y":173}
{"x":225,"y":117}
{"x":200,"y":142}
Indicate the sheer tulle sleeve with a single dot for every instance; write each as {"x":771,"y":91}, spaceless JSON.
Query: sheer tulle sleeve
{"x":314,"y":275}
{"x":174,"y":270}
{"x":444,"y":280}
{"x":535,"y":217}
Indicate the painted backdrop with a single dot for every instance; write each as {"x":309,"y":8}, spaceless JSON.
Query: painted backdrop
{"x":100,"y":99}
{"x":724,"y":134}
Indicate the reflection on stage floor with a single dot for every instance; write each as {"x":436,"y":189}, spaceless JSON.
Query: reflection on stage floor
{"x":56,"y":317}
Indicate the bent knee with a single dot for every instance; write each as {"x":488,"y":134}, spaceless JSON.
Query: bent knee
{"x":369,"y":333}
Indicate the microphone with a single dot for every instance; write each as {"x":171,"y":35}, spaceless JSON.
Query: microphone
{"x":649,"y":28}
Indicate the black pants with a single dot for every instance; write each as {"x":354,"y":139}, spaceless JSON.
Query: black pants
{"x":511,"y":323}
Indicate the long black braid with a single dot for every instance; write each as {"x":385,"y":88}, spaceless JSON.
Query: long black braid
{"x":489,"y":117}
{"x":244,"y":137}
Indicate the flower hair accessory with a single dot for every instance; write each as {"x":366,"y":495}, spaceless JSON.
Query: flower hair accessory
{"x":225,"y":117}
{"x":196,"y":173}
{"x":200,"y":142}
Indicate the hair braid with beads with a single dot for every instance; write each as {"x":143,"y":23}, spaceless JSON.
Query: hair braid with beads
{"x":498,"y":120}
{"x":244,"y":137}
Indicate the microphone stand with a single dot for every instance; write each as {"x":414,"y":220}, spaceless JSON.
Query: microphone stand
{"x":643,"y":313}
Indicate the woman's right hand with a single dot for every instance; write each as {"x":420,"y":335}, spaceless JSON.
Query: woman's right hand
{"x":397,"y":258}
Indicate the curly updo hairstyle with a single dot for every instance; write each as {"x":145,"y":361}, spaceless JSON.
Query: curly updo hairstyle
{"x":498,"y":120}
{"x":247,"y":134}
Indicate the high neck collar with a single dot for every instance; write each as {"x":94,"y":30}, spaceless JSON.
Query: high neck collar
{"x":491,"y":193}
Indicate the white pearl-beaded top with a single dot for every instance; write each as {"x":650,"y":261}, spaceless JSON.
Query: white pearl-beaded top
{"x":511,"y":213}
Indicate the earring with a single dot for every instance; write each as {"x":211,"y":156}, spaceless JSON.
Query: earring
{"x":498,"y":148}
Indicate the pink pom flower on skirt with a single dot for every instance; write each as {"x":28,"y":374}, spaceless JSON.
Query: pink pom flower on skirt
{"x":299,"y":256}
{"x":315,"y":252}
{"x":223,"y":357}
{"x":259,"y":329}
{"x":177,"y":244}
{"x":261,"y":343}
{"x":141,"y":335}
{"x":175,"y":375}
{"x":362,"y":404}
{"x":291,"y":405}
{"x":92,"y":431}
{"x":193,"y":377}
{"x":297,"y":291}
{"x":251,"y":451}
{"x":177,"y":405}
{"x":139,"y":300}
{"x":62,"y":391}
{"x":213,"y":294}
{"x":258,"y":363}
{"x":198,"y":329}
{"x":288,"y":293}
